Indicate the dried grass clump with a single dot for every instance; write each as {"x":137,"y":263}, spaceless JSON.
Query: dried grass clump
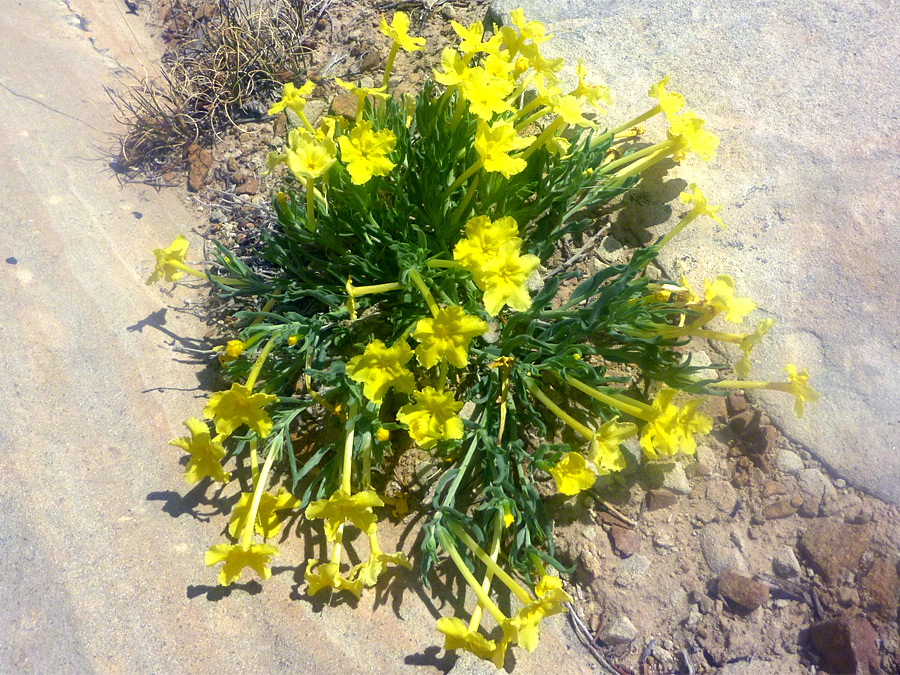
{"x":220,"y":71}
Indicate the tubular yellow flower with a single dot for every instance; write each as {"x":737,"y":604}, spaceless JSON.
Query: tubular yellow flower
{"x":503,"y":277}
{"x":175,"y":252}
{"x":206,"y":453}
{"x":432,"y":417}
{"x":691,"y":422}
{"x":720,"y":296}
{"x":231,"y":351}
{"x":365,"y":152}
{"x":237,"y":406}
{"x":742,"y":367}
{"x":604,"y":450}
{"x":446,"y":337}
{"x":455,"y":68}
{"x":307,"y":157}
{"x":527,"y":621}
{"x":268,"y":521}
{"x":799,"y":388}
{"x":494,"y":143}
{"x":592,"y":94}
{"x":398,"y":31}
{"x":569,"y":110}
{"x":688,"y":131}
{"x":293,"y":97}
{"x":671,"y":430}
{"x":670,"y":102}
{"x":369,"y":571}
{"x":470,"y":39}
{"x":458,"y":636}
{"x":484,"y":238}
{"x":485,"y":93}
{"x":573,"y":474}
{"x":341,"y":507}
{"x":379,"y":368}
{"x":547,"y":584}
{"x":329,"y":576}
{"x":382,"y":435}
{"x":257,"y":557}
{"x":695,"y":197}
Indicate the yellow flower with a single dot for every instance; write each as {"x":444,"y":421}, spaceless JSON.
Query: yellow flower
{"x":502,"y":278}
{"x":742,"y":367}
{"x":341,"y":507}
{"x":799,"y":388}
{"x":292,"y":340}
{"x":604,"y":449}
{"x":365,"y":152}
{"x":369,"y":571}
{"x":268,"y":522}
{"x":362,"y":92}
{"x":569,"y":109}
{"x":526,"y":622}
{"x":381,"y":368}
{"x":695,"y":197}
{"x":398,"y":31}
{"x":671,"y":430}
{"x":494,"y":143}
{"x":446,"y":337}
{"x":257,"y":557}
{"x":669,"y":101}
{"x":382,"y":435}
{"x":306,"y":156}
{"x":433,"y":417}
{"x":573,"y":474}
{"x":231,"y":351}
{"x":206,"y":453}
{"x":455,"y":68}
{"x":720,"y":296}
{"x":175,"y":252}
{"x":486,"y":94}
{"x":484,"y":238}
{"x":458,"y":636}
{"x":529,"y":30}
{"x":293,"y":98}
{"x":470,"y":39}
{"x":547,"y":584}
{"x":238,"y":406}
{"x":592,"y":94}
{"x":329,"y":576}
{"x":688,"y":130}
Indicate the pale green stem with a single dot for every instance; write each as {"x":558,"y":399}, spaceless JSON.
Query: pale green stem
{"x":548,"y":131}
{"x":634,"y":156}
{"x":260,"y":360}
{"x":347,"y":464}
{"x":462,"y":178}
{"x":306,"y":122}
{"x":254,"y":463}
{"x":627,"y":405}
{"x":202,"y":275}
{"x":366,"y":460}
{"x":523,"y":596}
{"x":534,"y":118}
{"x":678,"y":228}
{"x":257,"y":495}
{"x":390,"y":63}
{"x":655,"y":110}
{"x":483,"y":597}
{"x":434,"y":263}
{"x":420,"y":284}
{"x":738,"y":384}
{"x":488,"y":574}
{"x":646,"y":162}
{"x":310,"y":205}
{"x":442,"y":375}
{"x":376,"y":288}
{"x":577,"y":426}
{"x":465,"y":202}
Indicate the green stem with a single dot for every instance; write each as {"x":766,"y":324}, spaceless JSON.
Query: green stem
{"x":577,"y":426}
{"x":310,"y":205}
{"x":548,"y":131}
{"x":482,"y":595}
{"x":523,"y":596}
{"x":633,"y":156}
{"x":420,"y":284}
{"x":488,"y":574}
{"x":462,"y":178}
{"x":678,"y":228}
{"x":257,"y":494}
{"x":376,"y":288}
{"x":202,"y":275}
{"x":442,"y":375}
{"x":534,"y":118}
{"x":260,"y":360}
{"x":655,"y":110}
{"x":390,"y":63}
{"x":463,"y":467}
{"x":434,"y":263}
{"x":457,"y":215}
{"x":347,"y":464}
{"x":627,"y":405}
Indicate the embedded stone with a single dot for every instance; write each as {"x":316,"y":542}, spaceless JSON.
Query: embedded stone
{"x":833,"y":547}
{"x":846,"y":645}
{"x":627,"y":542}
{"x":744,"y":592}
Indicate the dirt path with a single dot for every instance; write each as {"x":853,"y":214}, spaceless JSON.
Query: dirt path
{"x":100,"y":557}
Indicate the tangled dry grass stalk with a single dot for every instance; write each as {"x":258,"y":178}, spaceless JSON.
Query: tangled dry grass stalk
{"x":225,"y":62}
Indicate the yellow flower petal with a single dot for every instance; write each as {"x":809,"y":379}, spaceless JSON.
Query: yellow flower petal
{"x":365,"y":152}
{"x":432,"y":417}
{"x":446,"y":337}
{"x":236,"y":407}
{"x":257,"y":557}
{"x":175,"y":252}
{"x":379,"y":368}
{"x":573,"y":474}
{"x":206,"y":453}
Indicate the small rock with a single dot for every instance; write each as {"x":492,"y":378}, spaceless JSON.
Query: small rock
{"x":814,"y":482}
{"x":216,"y":216}
{"x":663,"y":540}
{"x":314,"y":110}
{"x":783,"y":508}
{"x":610,"y":250}
{"x":660,"y":499}
{"x":200,"y":161}
{"x":248,"y":187}
{"x":722,"y":495}
{"x":743,"y":591}
{"x":469,"y":664}
{"x":785,"y":563}
{"x":669,"y":476}
{"x":833,"y":547}
{"x":707,"y":456}
{"x":701,"y":358}
{"x":846,"y":645}
{"x":736,"y":404}
{"x":631,"y":569}
{"x":847,"y":597}
{"x":810,"y":506}
{"x":744,"y":422}
{"x":772,"y":488}
{"x":344,"y":105}
{"x":627,"y":542}
{"x":706,"y":605}
{"x":881,"y":588}
{"x":619,"y":631}
{"x":448,"y":12}
{"x":719,"y":550}
{"x":788,"y":462}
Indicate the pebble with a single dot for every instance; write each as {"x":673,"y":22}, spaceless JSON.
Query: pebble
{"x":846,"y":645}
{"x":847,"y":597}
{"x":619,"y":631}
{"x":660,"y":499}
{"x":701,"y":358}
{"x":814,"y":482}
{"x":881,"y":588}
{"x":611,"y":250}
{"x":782,"y":508}
{"x":669,"y":476}
{"x":631,"y":569}
{"x":216,"y":216}
{"x":719,"y":550}
{"x":833,"y":547}
{"x":788,"y":462}
{"x":722,"y":494}
{"x":706,"y":455}
{"x":663,"y":540}
{"x":627,"y":542}
{"x":744,"y":592}
{"x":785,"y":563}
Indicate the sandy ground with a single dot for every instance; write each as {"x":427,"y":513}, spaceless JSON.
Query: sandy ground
{"x":101,"y":542}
